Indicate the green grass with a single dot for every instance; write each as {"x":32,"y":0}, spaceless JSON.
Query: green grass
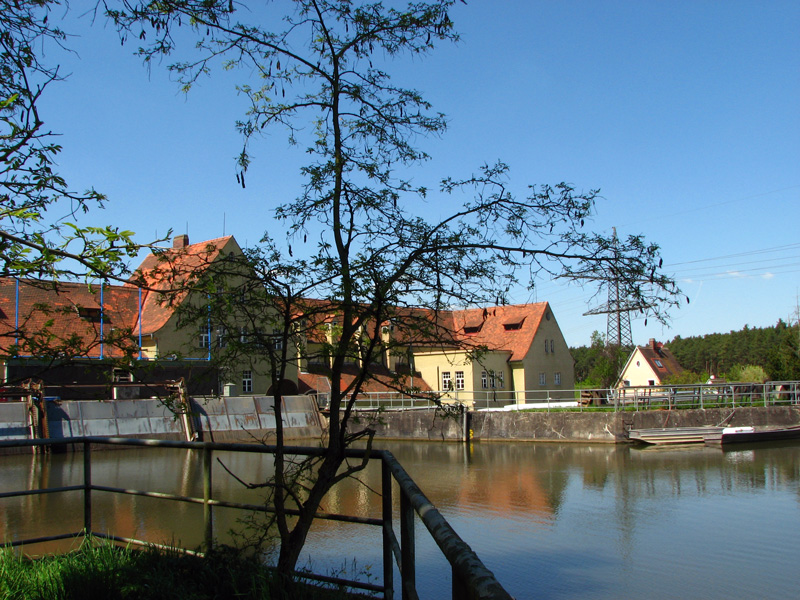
{"x":101,"y":570}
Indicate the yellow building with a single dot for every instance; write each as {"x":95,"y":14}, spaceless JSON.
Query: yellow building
{"x":500,"y":353}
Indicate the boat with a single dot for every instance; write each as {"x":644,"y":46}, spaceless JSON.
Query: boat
{"x":673,"y":435}
{"x":738,"y":435}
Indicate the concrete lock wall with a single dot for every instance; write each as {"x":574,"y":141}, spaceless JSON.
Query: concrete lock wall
{"x":604,"y":427}
{"x":427,"y":424}
{"x":245,"y":418}
{"x":215,"y":419}
{"x":14,"y":421}
{"x":251,"y":418}
{"x":612,"y":427}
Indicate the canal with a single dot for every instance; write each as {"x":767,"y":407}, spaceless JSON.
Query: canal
{"x":553,"y":521}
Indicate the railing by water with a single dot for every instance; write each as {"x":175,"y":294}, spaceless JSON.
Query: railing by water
{"x":648,"y":397}
{"x":471,"y":580}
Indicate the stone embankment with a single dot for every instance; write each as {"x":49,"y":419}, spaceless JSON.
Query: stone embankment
{"x":562,"y":426}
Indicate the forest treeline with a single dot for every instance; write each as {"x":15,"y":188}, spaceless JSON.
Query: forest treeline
{"x":774,"y":352}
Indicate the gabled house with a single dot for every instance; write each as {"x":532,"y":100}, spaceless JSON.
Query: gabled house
{"x":648,"y":365}
{"x":514,"y":352}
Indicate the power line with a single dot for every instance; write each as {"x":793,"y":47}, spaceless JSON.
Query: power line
{"x":738,"y":254}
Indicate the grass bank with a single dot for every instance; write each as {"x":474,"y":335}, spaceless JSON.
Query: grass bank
{"x":100,"y":570}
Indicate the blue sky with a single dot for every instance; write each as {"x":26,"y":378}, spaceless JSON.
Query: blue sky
{"x":686,"y":115}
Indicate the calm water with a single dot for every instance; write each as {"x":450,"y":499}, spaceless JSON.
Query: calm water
{"x":552,"y":521}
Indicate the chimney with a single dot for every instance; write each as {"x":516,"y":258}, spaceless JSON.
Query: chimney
{"x":652,"y":344}
{"x":180,"y":241}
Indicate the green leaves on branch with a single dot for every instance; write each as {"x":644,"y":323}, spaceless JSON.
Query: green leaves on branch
{"x":38,"y":236}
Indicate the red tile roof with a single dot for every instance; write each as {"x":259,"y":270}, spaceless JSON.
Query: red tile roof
{"x":380,"y":380}
{"x":660,"y":359}
{"x":171,"y":269}
{"x":70,"y":314}
{"x":510,"y":328}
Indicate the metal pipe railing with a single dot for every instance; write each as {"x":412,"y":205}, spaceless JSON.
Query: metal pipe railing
{"x":471,"y":580}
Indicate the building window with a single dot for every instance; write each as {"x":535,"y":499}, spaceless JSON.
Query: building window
{"x":459,"y":380}
{"x":446,"y":383}
{"x":552,"y":346}
{"x":243,"y":335}
{"x":542,"y":378}
{"x":499,"y":378}
{"x":484,"y":380}
{"x":277,"y":339}
{"x":222,"y":337}
{"x":546,"y":347}
{"x":247,"y":382}
{"x":557,"y":378}
{"x":122,"y":376}
{"x":205,"y":337}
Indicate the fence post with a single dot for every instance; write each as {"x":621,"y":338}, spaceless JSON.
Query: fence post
{"x":388,"y":558}
{"x":407,"y":558}
{"x":87,"y":489}
{"x":207,"y":515}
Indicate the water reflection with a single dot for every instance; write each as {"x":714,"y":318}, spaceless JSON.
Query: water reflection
{"x":551,"y":520}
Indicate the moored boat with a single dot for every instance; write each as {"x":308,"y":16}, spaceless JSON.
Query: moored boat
{"x":738,"y":435}
{"x":672,"y":435}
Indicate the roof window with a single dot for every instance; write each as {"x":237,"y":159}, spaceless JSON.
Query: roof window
{"x":90,"y":314}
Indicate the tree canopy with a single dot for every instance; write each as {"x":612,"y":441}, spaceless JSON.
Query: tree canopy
{"x":774,"y":349}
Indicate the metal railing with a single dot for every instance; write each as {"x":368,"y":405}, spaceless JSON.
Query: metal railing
{"x":649,"y":397}
{"x":723,"y":395}
{"x":471,"y":580}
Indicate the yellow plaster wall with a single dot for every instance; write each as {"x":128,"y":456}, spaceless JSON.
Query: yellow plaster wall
{"x":549,"y":362}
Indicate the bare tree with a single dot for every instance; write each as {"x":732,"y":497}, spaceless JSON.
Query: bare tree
{"x":373,"y":258}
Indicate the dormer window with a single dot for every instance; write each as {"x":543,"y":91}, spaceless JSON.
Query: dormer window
{"x":473,"y":326}
{"x":95,"y":315}
{"x":513,"y":325}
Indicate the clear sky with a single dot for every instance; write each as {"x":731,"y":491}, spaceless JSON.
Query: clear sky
{"x":685,"y":114}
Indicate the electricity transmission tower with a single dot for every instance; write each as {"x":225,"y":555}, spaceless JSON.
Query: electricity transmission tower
{"x":618,"y":308}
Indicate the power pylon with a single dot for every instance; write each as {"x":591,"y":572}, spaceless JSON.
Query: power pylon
{"x":618,"y":308}
{"x":618,"y":325}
